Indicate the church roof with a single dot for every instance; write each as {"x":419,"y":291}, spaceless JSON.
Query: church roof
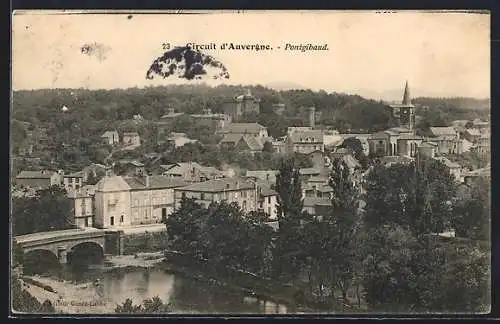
{"x":406,"y":95}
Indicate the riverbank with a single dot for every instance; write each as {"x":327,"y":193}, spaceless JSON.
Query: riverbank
{"x":70,"y":298}
{"x":84,"y":298}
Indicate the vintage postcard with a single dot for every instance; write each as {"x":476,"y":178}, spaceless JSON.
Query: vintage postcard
{"x":251,"y":162}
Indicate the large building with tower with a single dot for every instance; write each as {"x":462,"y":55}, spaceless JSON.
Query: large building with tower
{"x":404,"y":113}
{"x":241,"y":105}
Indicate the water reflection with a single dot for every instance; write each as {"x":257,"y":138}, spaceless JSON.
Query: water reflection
{"x":187,"y":296}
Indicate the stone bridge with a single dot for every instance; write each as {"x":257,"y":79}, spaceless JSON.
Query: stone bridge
{"x":61,"y":243}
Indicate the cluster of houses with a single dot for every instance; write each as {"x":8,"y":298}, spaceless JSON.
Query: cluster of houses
{"x":138,"y":198}
{"x":131,"y":140}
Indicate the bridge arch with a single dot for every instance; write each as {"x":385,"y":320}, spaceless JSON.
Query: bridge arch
{"x":84,"y":253}
{"x":39,"y":261}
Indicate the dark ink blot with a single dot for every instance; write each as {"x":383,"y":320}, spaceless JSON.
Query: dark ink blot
{"x":187,"y":64}
{"x":129,"y":17}
{"x":27,"y":27}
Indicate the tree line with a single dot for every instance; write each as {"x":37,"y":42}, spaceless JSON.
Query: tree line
{"x":385,"y":256}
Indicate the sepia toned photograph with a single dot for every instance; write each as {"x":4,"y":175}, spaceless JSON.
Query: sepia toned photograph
{"x":222,"y":163}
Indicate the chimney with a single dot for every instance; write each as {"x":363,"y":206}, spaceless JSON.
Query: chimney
{"x":312,"y":111}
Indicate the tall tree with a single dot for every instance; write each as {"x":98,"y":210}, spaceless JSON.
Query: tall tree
{"x":50,"y":209}
{"x":472,"y":214}
{"x":289,"y":188}
{"x":184,"y":227}
{"x":415,"y":196}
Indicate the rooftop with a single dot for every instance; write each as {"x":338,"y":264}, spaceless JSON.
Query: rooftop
{"x":315,"y":136}
{"x":155,"y":182}
{"x":110,"y":184}
{"x":220,"y":185}
{"x":443,"y":131}
{"x":315,"y":201}
{"x":35,"y":174}
{"x":243,"y":128}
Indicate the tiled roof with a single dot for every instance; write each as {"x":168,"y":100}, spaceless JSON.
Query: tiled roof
{"x":262,"y":174}
{"x":305,"y":136}
{"x":318,"y":179}
{"x":231,"y":138}
{"x":35,"y":174}
{"x":266,"y":191}
{"x":314,"y":201}
{"x":308,"y":171}
{"x":131,"y":134}
{"x":155,"y":182}
{"x":241,"y":128}
{"x":253,"y":143}
{"x":220,"y":185}
{"x":409,"y":137}
{"x":74,"y":175}
{"x":443,"y":131}
{"x":114,"y":183}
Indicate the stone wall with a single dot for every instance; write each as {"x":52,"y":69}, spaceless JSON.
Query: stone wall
{"x":144,"y":242}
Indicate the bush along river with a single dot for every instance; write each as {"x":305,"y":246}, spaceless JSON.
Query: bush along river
{"x":99,"y":288}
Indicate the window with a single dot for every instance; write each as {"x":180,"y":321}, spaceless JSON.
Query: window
{"x":84,"y":211}
{"x":269,"y":210}
{"x":202,"y":196}
{"x":163,"y":212}
{"x":269,"y":199}
{"x":121,"y":219}
{"x":112,"y":220}
{"x":86,"y":222}
{"x":136,"y":202}
{"x":244,"y":194}
{"x":244,"y":206}
{"x":183,"y":195}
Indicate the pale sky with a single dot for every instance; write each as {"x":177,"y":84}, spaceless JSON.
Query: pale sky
{"x":440,"y":54}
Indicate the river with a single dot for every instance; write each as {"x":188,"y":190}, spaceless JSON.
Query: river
{"x":75,"y":288}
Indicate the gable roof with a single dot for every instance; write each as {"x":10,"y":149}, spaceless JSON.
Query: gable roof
{"x":109,"y":133}
{"x":220,"y":185}
{"x":231,"y":138}
{"x":242,"y":128}
{"x":443,"y":131}
{"x":110,"y":184}
{"x":35,"y":174}
{"x":304,"y":136}
{"x":74,"y":175}
{"x":253,"y":143}
{"x":155,"y":182}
